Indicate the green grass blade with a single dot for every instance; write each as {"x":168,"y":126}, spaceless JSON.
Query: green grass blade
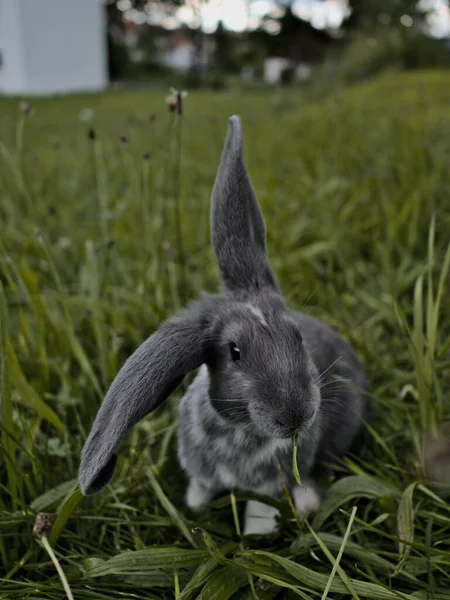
{"x":28,"y":395}
{"x":6,"y":401}
{"x":143,"y":561}
{"x":346,"y":490}
{"x":52,"y":497}
{"x":64,"y":513}
{"x":294,"y":459}
{"x":405,"y":519}
{"x":223,"y":583}
{"x":177,"y":518}
{"x":319,"y":582}
{"x":336,"y":561}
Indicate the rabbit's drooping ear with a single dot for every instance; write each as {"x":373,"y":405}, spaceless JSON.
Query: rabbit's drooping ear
{"x":237,"y":224}
{"x":146,"y":379}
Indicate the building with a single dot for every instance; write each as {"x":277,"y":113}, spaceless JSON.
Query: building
{"x":275,"y":68}
{"x":294,"y":51}
{"x":52,"y":46}
{"x":173,"y":49}
{"x":179,"y":54}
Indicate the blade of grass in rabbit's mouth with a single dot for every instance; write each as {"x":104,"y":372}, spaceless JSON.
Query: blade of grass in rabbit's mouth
{"x":294,"y":459}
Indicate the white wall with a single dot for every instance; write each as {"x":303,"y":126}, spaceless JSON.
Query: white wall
{"x":12,"y":71}
{"x":62,"y":44}
{"x":273,"y":68}
{"x":180,"y":58}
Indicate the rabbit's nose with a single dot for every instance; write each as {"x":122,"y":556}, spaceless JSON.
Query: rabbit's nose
{"x":289,"y":424}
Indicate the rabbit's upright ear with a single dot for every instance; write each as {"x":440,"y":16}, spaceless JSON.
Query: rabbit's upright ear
{"x":237,"y":225}
{"x":146,"y":379}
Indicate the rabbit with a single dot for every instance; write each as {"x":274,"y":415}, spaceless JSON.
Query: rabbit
{"x":265,"y":372}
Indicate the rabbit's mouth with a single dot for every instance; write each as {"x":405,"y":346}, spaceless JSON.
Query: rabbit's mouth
{"x":284,"y":420}
{"x":281,"y":425}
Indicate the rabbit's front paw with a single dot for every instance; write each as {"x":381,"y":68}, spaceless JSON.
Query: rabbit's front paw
{"x":306,"y":499}
{"x":197,"y":495}
{"x":260,"y":519}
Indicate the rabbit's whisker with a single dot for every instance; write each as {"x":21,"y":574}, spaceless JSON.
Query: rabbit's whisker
{"x":319,"y":378}
{"x":334,"y":382}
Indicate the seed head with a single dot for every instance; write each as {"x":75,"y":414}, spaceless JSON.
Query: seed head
{"x":92,"y":134}
{"x":42,"y":525}
{"x":86,"y":114}
{"x":26,"y":108}
{"x":175,"y":99}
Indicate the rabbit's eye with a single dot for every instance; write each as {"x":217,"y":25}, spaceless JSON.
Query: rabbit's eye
{"x":235,"y":352}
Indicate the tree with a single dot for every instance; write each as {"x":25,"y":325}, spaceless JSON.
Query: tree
{"x":297,"y":39}
{"x":198,"y":39}
{"x":371,"y":14}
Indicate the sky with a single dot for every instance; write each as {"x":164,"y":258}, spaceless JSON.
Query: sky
{"x":239,"y":15}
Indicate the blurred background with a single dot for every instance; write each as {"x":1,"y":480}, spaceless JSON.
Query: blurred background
{"x":57,"y":46}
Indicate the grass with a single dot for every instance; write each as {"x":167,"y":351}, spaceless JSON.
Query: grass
{"x":99,"y":242}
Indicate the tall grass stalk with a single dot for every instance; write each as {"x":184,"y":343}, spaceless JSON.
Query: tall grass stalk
{"x":9,"y":446}
{"x":427,"y":314}
{"x":20,"y":135}
{"x":181,"y":257}
{"x":101,"y":191}
{"x":46,"y":544}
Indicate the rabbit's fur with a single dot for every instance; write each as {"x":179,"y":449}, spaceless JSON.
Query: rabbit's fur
{"x":266,"y":372}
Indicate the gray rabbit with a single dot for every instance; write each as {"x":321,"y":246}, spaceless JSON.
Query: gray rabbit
{"x":265,"y":373}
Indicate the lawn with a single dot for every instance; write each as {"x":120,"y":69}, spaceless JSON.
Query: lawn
{"x":105,"y":232}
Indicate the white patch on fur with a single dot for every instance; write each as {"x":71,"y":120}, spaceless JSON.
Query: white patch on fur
{"x":260,"y":519}
{"x":225,"y":476}
{"x":222,"y":443}
{"x":268,"y":451}
{"x":306,"y":499}
{"x":197,"y":495}
{"x":197,"y":431}
{"x":203,"y":372}
{"x":258,"y":314}
{"x":196,"y":387}
{"x":240,"y":435}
